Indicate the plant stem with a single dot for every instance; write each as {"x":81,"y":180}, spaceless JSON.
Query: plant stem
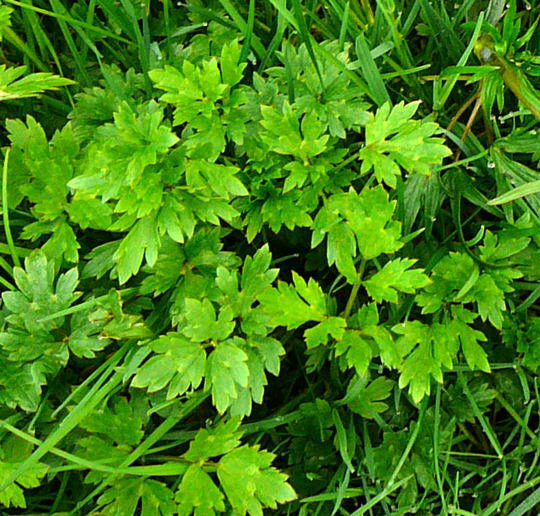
{"x":354,"y":291}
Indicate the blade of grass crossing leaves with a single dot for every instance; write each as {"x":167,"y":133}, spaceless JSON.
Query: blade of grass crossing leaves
{"x":81,"y":463}
{"x":372,"y":76}
{"x":436,"y":426}
{"x":529,"y":301}
{"x":142,"y":45}
{"x":5,"y":211}
{"x":382,"y":495}
{"x":248,"y":33}
{"x":18,"y":43}
{"x":391,"y":485}
{"x":306,"y":37}
{"x":508,"y":407}
{"x":243,"y":26}
{"x":34,"y":26}
{"x":77,"y":58}
{"x":155,"y":436}
{"x":446,"y":90}
{"x":525,"y":486}
{"x":69,"y":19}
{"x":344,"y":26}
{"x":275,"y":42}
{"x":525,"y":190}
{"x":488,"y":430}
{"x":342,"y":489}
{"x":94,"y":396}
{"x":102,"y":372}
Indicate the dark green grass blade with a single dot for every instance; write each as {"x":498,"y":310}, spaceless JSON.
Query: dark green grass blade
{"x":371,"y":74}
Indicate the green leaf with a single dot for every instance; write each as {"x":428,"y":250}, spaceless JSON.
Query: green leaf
{"x":285,"y":134}
{"x":319,"y":334}
{"x":394,"y":141}
{"x":13,"y":494}
{"x":366,"y":399}
{"x":368,"y":216}
{"x":341,"y":250}
{"x":469,"y":337}
{"x":177,"y":363}
{"x":231,"y":68}
{"x":197,"y":494}
{"x":395,"y":277}
{"x":130,"y":495}
{"x":12,"y":86}
{"x":226,"y":372}
{"x":292,"y":306}
{"x":262,"y":485}
{"x":142,"y":240}
{"x":418,"y":368}
{"x":119,"y":423}
{"x":201,"y":323}
{"x":218,"y":440}
{"x":356,"y":350}
{"x":21,"y":384}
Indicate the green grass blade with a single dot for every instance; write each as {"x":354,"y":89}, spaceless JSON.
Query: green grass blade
{"x":5,"y":211}
{"x":69,"y":19}
{"x":372,"y":76}
{"x":488,"y":430}
{"x":248,"y":33}
{"x":243,"y":26}
{"x":94,"y":396}
{"x":446,"y":90}
{"x":525,"y":190}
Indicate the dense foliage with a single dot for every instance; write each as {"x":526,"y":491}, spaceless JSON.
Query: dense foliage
{"x":269,"y":255}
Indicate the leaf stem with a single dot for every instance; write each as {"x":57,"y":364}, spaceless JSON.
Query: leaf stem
{"x":355,"y":289}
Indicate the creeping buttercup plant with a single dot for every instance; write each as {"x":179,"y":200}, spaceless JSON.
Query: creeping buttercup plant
{"x":251,"y":274}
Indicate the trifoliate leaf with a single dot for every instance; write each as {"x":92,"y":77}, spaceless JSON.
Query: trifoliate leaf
{"x":178,"y":363}
{"x":356,"y":349}
{"x":214,"y":441}
{"x":393,"y":140}
{"x":13,"y":495}
{"x":286,"y":307}
{"x":226,"y":372}
{"x":133,"y":494}
{"x":367,"y":399}
{"x":198,"y":495}
{"x":395,"y":277}
{"x":202,"y":324}
{"x":261,"y":486}
{"x":119,"y":423}
{"x":319,"y":334}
